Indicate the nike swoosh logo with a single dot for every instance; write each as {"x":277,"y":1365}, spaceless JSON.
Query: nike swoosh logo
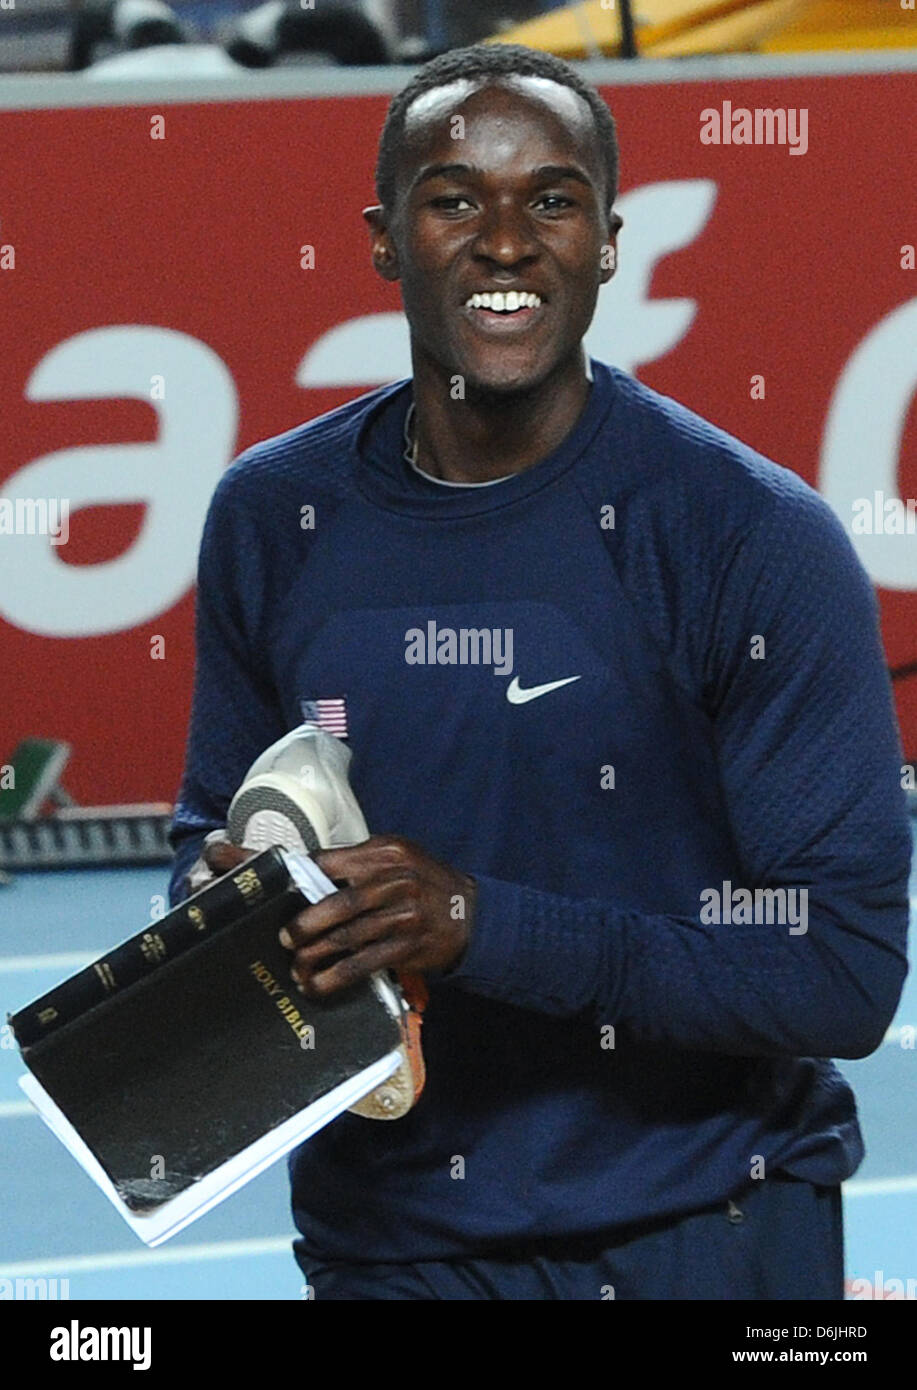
{"x":517,"y":696}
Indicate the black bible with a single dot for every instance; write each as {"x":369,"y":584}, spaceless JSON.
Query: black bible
{"x":183,"y":1066}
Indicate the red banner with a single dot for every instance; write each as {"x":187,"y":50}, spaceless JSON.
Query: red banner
{"x":181,"y":280}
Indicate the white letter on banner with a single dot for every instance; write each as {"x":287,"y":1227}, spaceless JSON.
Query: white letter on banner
{"x":174,"y":476}
{"x":862,"y":441}
{"x":630,"y":327}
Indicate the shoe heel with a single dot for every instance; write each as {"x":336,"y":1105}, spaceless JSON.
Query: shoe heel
{"x":267,"y":811}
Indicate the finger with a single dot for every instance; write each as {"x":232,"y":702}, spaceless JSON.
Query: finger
{"x":338,"y":907}
{"x":351,"y":937}
{"x":345,"y":905}
{"x":213,"y":837}
{"x":382,"y":955}
{"x":356,"y":863}
{"x":224,"y":856}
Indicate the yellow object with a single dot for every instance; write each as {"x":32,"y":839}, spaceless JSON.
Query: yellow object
{"x":678,"y":28}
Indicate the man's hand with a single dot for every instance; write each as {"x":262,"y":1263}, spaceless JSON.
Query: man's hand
{"x":218,"y":856}
{"x":398,"y":908}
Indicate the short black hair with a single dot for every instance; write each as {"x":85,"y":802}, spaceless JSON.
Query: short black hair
{"x":494,"y":61}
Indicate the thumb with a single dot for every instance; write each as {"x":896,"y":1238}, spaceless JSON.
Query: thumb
{"x":221,"y":854}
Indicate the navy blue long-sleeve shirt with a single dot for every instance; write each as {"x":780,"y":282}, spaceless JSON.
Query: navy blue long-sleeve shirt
{"x":604,"y":1053}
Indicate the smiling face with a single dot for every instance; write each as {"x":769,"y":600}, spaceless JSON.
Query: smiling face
{"x":498,"y":232}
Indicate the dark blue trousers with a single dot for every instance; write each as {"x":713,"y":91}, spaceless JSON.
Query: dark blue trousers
{"x":782,"y":1239}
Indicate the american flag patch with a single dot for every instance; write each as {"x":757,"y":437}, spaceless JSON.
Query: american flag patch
{"x":330,"y":715}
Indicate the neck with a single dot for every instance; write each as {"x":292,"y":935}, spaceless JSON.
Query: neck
{"x":489,"y":435}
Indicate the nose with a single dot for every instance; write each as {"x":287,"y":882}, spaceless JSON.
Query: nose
{"x":505,"y":236}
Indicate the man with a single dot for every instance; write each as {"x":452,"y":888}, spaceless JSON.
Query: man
{"x":604,"y":667}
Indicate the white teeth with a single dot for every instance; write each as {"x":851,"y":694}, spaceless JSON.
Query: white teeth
{"x":504,"y":303}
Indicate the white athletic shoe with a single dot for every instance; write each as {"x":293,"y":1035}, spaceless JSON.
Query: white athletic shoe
{"x":297,"y":795}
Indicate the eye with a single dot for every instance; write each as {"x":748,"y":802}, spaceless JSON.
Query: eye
{"x":450,"y":202}
{"x":557,"y":200}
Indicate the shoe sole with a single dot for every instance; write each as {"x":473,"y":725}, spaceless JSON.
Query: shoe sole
{"x":274,"y":810}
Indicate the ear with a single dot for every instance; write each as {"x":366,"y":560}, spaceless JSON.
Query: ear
{"x":382,"y":247}
{"x":610,"y":247}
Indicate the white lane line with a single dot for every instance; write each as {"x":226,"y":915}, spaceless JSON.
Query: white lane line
{"x":68,"y":960}
{"x":880,"y":1187}
{"x":123,"y":1259}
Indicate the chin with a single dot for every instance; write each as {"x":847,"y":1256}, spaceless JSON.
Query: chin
{"x":501,"y":386}
{"x":503,"y":380}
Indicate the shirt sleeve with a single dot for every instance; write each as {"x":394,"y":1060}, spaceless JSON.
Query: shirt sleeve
{"x":810,"y":765}
{"x":235,"y":712}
